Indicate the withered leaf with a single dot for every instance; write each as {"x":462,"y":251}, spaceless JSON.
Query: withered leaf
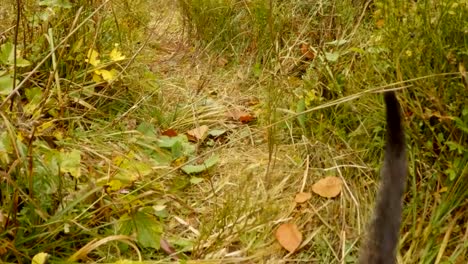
{"x":302,"y":197}
{"x":328,"y":187}
{"x":198,"y":133}
{"x":289,"y":237}
{"x":169,"y":132}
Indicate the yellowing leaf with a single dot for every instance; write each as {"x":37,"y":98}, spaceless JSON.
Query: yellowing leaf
{"x":198,"y":133}
{"x":40,"y":258}
{"x":70,"y":163}
{"x":289,"y":237}
{"x":116,"y":55}
{"x":106,"y":75}
{"x":97,"y":78}
{"x":115,"y":185}
{"x":328,"y":187}
{"x":45,"y":126}
{"x":92,"y":57}
{"x":302,"y":197}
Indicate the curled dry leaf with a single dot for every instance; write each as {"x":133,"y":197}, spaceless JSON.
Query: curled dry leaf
{"x":302,"y":197}
{"x":198,"y":133}
{"x":240,"y":115}
{"x":289,"y":237}
{"x":328,"y":187}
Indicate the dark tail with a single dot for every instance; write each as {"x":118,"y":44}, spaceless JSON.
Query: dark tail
{"x":382,"y":240}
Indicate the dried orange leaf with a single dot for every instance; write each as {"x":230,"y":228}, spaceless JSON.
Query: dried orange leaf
{"x":307,"y":52}
{"x":240,"y":115}
{"x":302,"y":197}
{"x":198,"y":133}
{"x":289,"y":237}
{"x":246,"y":118}
{"x":169,"y":132}
{"x":328,"y":187}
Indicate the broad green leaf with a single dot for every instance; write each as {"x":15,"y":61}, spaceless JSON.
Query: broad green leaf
{"x":147,"y":129}
{"x":195,"y":180}
{"x":6,"y":53}
{"x":178,"y":145}
{"x":299,"y":109}
{"x":56,"y":3}
{"x":177,"y":150}
{"x":208,"y":163}
{"x":132,"y":170}
{"x":34,"y":96}
{"x":332,"y":56}
{"x":6,"y":84}
{"x":216,"y":132}
{"x":70,"y":162}
{"x":168,"y":142}
{"x":185,"y":245}
{"x":148,"y":230}
{"x":7,"y":56}
{"x":20,"y":62}
{"x":6,"y":148}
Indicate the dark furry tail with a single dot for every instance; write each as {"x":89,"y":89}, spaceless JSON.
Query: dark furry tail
{"x":382,"y":241}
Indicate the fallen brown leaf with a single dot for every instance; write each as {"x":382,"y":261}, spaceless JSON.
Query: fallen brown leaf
{"x":328,"y":187}
{"x":169,"y":132}
{"x":240,"y":115}
{"x":289,"y":237}
{"x":198,"y":133}
{"x":302,"y":197}
{"x":307,"y":52}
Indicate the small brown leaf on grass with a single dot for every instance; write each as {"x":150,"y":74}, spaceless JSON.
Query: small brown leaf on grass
{"x":307,"y":52}
{"x":289,"y":237}
{"x":198,"y":133}
{"x":240,"y":115}
{"x":169,"y":132}
{"x":302,"y":197}
{"x":328,"y":187}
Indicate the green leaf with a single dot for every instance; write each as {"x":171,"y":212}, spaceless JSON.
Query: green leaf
{"x":6,"y":148}
{"x":6,"y":85}
{"x":132,"y":170}
{"x":70,"y":162}
{"x":195,"y":180}
{"x":56,"y":3}
{"x":20,"y":62}
{"x":148,"y":230}
{"x":299,"y":109}
{"x":147,"y":129}
{"x":216,"y":132}
{"x":34,"y":96}
{"x":7,"y":56}
{"x":193,"y":169}
{"x":332,"y":56}
{"x":179,"y":145}
{"x":6,"y":53}
{"x":168,"y":142}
